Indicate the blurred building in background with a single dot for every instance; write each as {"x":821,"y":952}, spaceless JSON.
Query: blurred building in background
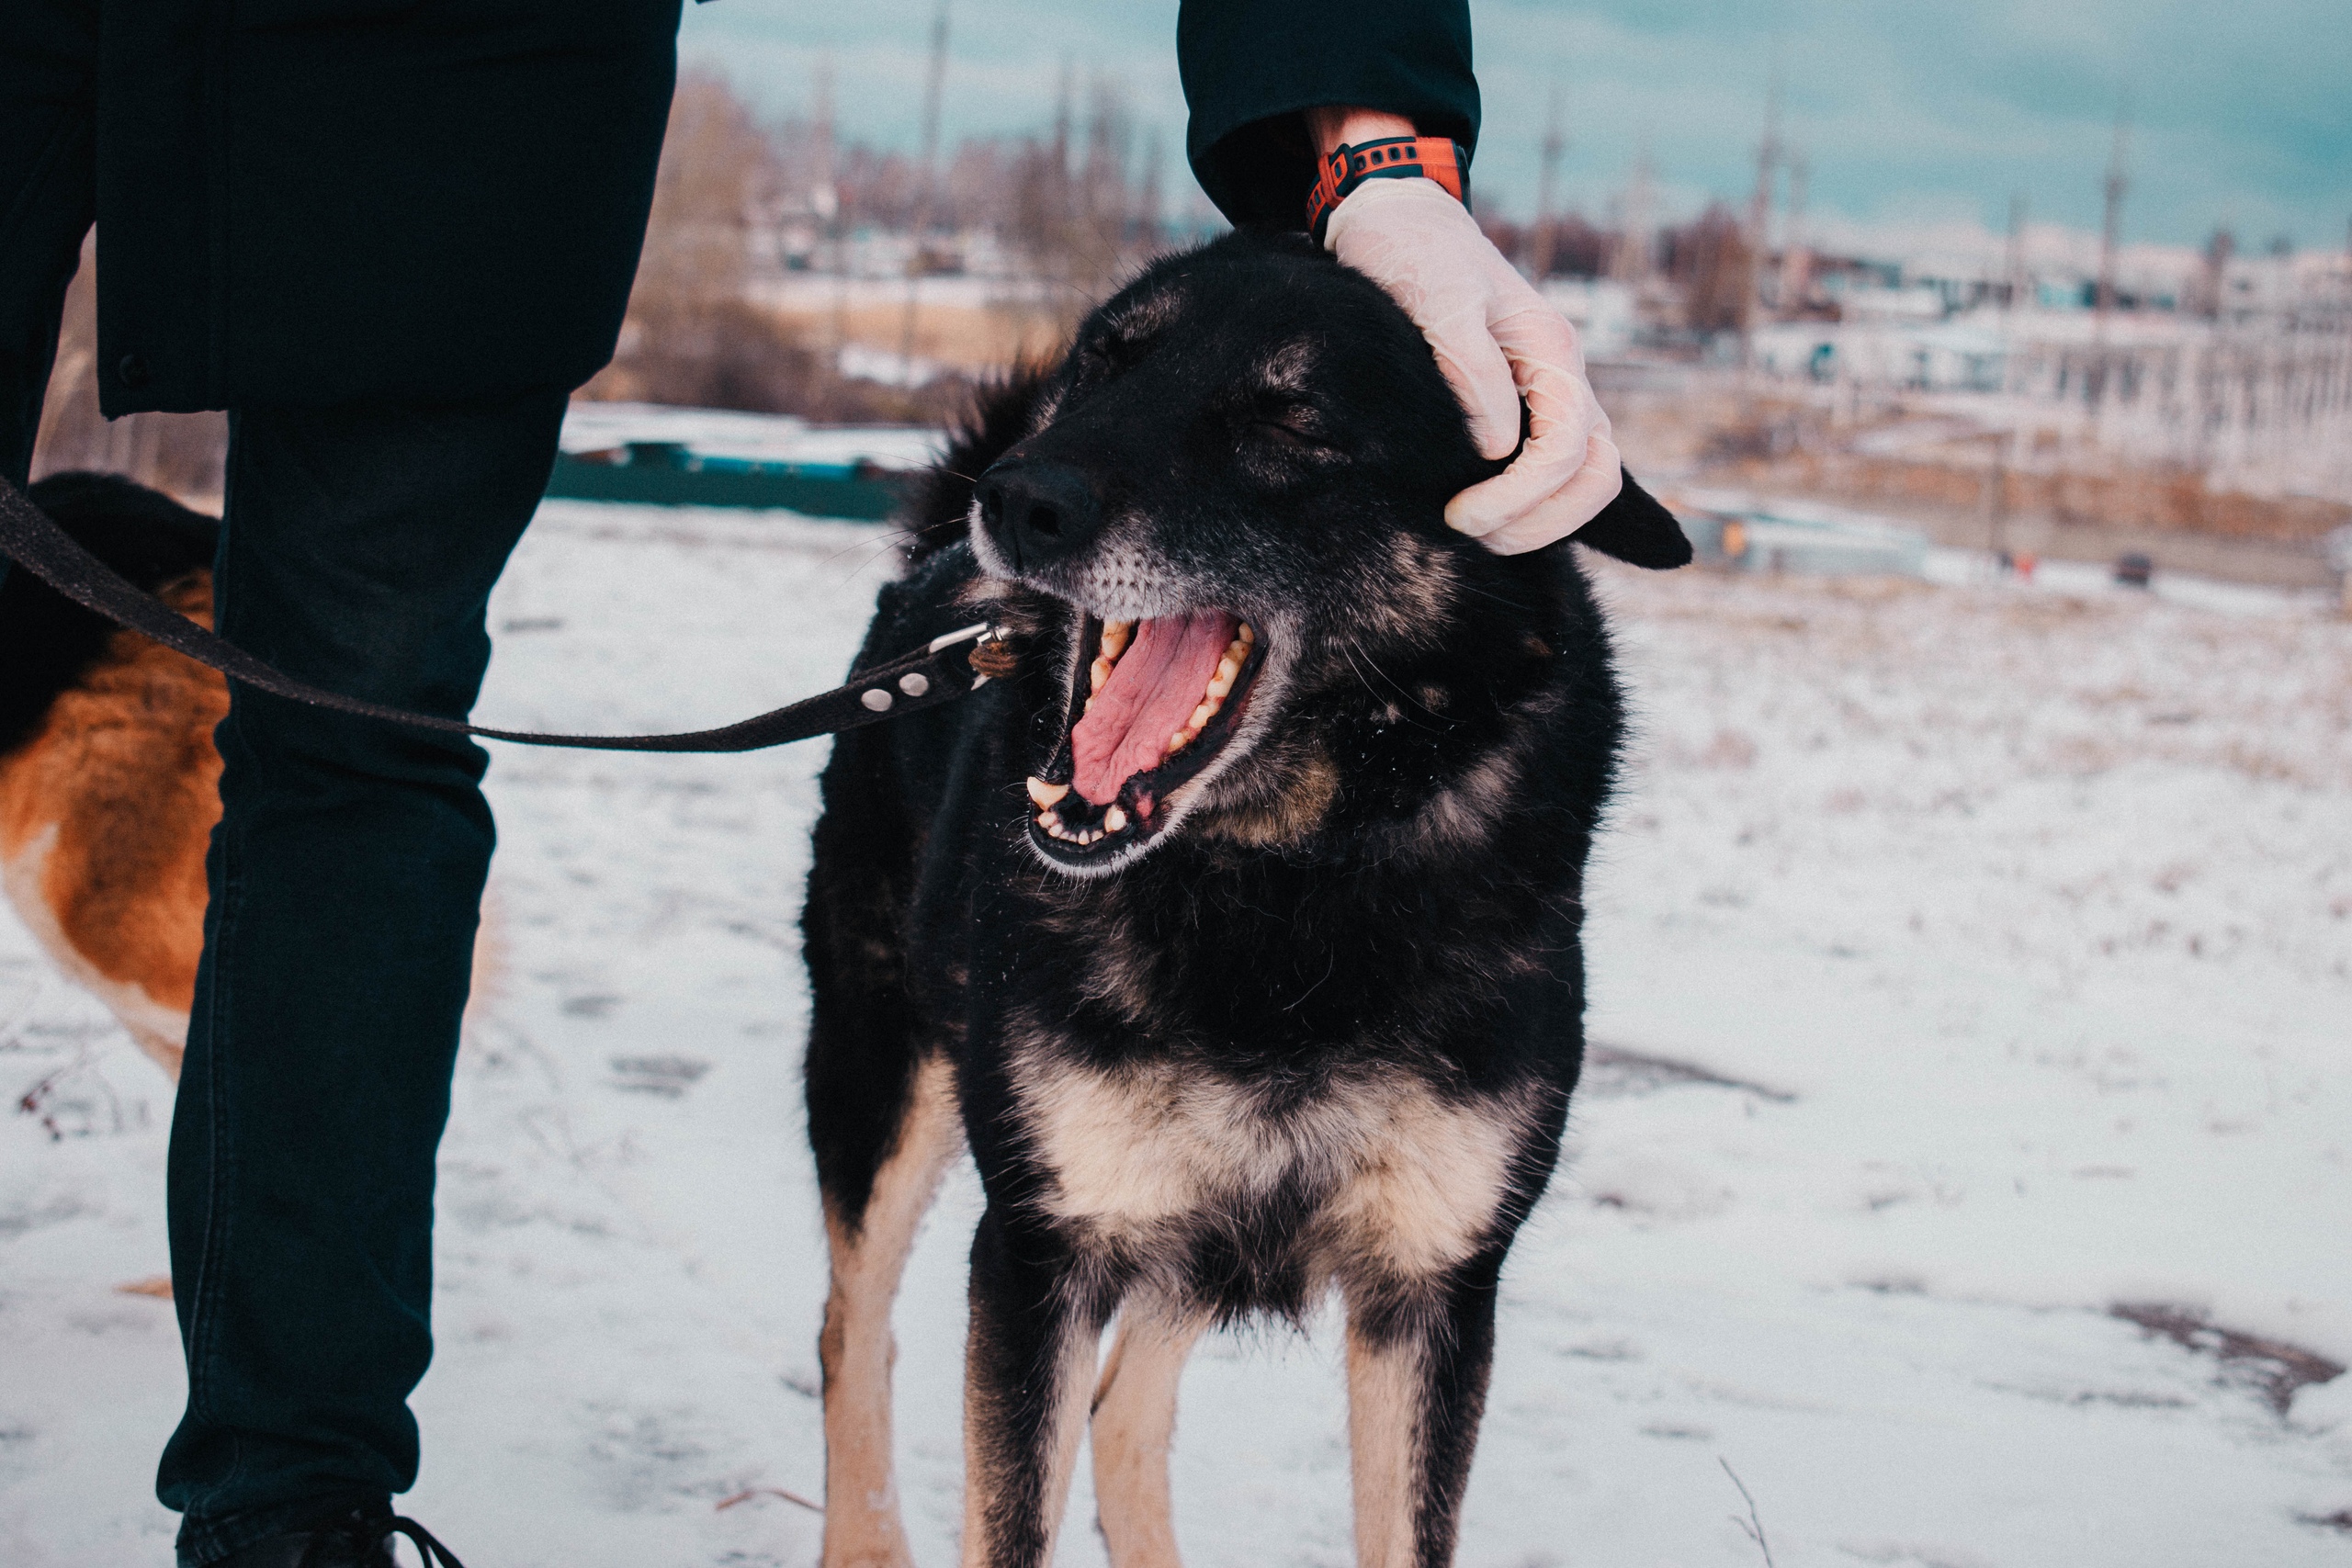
{"x":2047,"y":384}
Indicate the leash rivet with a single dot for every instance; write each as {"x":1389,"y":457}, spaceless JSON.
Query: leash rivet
{"x":914,"y":683}
{"x":876,"y":699}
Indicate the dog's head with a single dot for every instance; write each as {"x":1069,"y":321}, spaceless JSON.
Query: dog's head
{"x":1232,"y":493}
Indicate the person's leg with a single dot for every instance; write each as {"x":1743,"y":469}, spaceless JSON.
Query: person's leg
{"x":48,"y":194}
{"x":358,"y":552}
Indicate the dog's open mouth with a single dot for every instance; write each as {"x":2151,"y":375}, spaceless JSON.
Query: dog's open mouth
{"x":1154,"y":702}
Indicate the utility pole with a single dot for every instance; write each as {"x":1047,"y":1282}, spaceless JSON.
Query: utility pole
{"x":1632,"y":260}
{"x":825,"y":201}
{"x":1555,"y":145}
{"x":1063,"y":93}
{"x":1796,"y":270}
{"x":927,"y":177}
{"x":2111,"y":227}
{"x":1147,"y":221}
{"x":1759,"y":220}
{"x":2013,"y":264}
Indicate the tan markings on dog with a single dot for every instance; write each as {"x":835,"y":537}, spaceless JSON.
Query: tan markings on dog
{"x":1408,"y":1183}
{"x":1288,"y":368}
{"x":1135,"y":1422}
{"x":988,"y":1503}
{"x":1120,"y":977}
{"x":1289,"y":817}
{"x":862,"y":1524}
{"x":1141,"y":318}
{"x":1427,"y":1191}
{"x":488,"y":982}
{"x":1466,"y":810}
{"x":104,"y":817}
{"x":1386,"y":1402}
{"x":1414,"y":596}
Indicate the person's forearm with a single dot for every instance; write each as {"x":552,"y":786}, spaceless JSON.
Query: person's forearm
{"x":1254,"y":69}
{"x":1333,"y":127}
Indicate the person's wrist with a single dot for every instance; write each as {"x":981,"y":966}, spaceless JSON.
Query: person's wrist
{"x":1332,"y":127}
{"x":1362,"y":148}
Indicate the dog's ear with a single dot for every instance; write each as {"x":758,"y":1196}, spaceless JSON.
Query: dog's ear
{"x":1636,"y":529}
{"x":940,"y":501}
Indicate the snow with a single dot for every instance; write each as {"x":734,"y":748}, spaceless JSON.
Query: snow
{"x":2018,"y":922}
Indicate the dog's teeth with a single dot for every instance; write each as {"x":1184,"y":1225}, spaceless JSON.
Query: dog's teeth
{"x":1096,"y":673}
{"x":1179,"y":741}
{"x":1115,"y":820}
{"x":1201,"y":717}
{"x":1051,"y":821}
{"x":1115,"y":638}
{"x":1046,"y":795}
{"x":1247,"y":637}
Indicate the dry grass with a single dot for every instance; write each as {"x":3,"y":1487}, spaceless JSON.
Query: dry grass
{"x":2272,"y":1368}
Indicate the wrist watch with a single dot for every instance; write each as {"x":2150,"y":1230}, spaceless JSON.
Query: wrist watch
{"x":1435,"y":158}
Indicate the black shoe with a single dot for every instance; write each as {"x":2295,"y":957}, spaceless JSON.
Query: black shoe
{"x":357,"y":1539}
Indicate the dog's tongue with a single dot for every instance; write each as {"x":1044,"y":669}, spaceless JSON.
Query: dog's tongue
{"x":1150,"y":694}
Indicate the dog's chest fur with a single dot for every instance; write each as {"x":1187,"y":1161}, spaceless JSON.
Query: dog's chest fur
{"x":1242,"y":1075}
{"x":1370,"y":1167}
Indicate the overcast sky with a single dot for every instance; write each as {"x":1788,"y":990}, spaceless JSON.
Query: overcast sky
{"x":1913,"y":112}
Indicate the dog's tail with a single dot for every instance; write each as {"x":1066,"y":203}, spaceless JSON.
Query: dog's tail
{"x":939,"y":509}
{"x":47,"y":641}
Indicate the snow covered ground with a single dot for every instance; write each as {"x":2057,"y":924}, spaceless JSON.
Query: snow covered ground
{"x":1972,"y":960}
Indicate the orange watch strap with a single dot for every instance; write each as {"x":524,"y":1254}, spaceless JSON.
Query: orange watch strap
{"x":1435,"y":158}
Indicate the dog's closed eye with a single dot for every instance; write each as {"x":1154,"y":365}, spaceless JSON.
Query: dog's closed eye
{"x":1286,"y":433}
{"x":1294,"y":427}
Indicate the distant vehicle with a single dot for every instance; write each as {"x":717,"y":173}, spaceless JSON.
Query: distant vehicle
{"x":649,"y":454}
{"x":669,"y":473}
{"x":1733,"y":532}
{"x":2135,"y":571}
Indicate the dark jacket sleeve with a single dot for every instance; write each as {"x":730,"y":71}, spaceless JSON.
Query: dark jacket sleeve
{"x":1249,"y":66}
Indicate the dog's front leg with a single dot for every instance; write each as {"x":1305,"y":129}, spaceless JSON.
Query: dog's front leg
{"x":1028,"y":1366}
{"x":1419,"y":1356}
{"x":855,"y":1350}
{"x":1135,"y":1422}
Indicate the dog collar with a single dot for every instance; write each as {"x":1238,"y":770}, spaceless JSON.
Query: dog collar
{"x":1435,"y":158}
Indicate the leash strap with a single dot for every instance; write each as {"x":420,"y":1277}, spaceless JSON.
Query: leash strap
{"x":942,"y":672}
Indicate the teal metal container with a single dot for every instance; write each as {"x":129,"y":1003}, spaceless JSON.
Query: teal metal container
{"x":669,"y":473}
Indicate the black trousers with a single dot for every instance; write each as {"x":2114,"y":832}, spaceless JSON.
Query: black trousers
{"x":359,"y":551}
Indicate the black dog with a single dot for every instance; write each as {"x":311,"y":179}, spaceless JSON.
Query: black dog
{"x":1236,"y":929}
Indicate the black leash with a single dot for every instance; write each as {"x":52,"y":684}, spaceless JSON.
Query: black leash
{"x":350,"y":1541}
{"x":939,"y":673}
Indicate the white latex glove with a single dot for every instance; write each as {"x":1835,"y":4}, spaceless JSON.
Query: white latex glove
{"x":1497,"y":340}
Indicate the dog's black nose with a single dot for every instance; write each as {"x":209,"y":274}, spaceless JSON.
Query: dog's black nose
{"x":1038,"y":512}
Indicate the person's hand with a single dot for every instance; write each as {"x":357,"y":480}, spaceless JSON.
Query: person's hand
{"x":1497,"y":340}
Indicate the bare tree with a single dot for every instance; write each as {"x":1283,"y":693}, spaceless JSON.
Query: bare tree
{"x":1709,"y":259}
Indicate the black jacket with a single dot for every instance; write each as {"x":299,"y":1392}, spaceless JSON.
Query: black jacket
{"x":323,"y":201}
{"x":1250,"y":65}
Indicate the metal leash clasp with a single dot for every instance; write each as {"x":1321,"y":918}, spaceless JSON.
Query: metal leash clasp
{"x":990,"y":656}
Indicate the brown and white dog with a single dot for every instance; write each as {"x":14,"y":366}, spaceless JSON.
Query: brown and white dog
{"x":109,"y":778}
{"x":1236,"y":934}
